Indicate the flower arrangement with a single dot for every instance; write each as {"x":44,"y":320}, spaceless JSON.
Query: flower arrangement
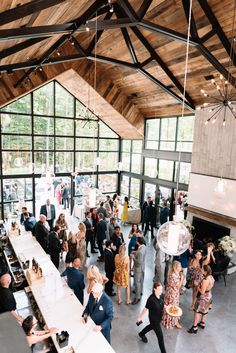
{"x":228,"y":244}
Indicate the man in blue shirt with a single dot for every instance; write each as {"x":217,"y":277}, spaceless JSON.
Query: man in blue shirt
{"x":75,"y":279}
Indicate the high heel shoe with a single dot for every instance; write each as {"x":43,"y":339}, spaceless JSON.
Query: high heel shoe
{"x":201,"y":324}
{"x":119,"y":302}
{"x":193,"y":329}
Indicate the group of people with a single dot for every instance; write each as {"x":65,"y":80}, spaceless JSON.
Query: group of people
{"x":100,"y":228}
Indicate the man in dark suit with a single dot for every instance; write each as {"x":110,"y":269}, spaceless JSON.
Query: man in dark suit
{"x":117,"y":239}
{"x":48,"y":210}
{"x":89,"y":236}
{"x":75,"y":279}
{"x":41,"y":233}
{"x":54,"y":246}
{"x":145,"y":204}
{"x":22,"y":216}
{"x":150,"y":218}
{"x":109,"y":267}
{"x":66,"y":195}
{"x":101,"y":235}
{"x":100,"y":309}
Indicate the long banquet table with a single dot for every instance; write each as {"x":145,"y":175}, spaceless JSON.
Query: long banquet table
{"x":57,"y":302}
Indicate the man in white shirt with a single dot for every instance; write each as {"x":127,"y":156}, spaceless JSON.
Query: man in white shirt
{"x":48,"y":210}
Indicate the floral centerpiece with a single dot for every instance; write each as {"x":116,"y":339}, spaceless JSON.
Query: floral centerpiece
{"x":228,"y":245}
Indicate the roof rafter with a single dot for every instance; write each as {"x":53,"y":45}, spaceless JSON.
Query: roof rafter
{"x":144,"y":8}
{"x":26,"y":9}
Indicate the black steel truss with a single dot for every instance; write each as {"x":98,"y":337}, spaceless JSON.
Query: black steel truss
{"x":126,"y":18}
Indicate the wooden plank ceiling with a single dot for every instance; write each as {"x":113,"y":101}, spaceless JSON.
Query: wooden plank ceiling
{"x":133,"y":56}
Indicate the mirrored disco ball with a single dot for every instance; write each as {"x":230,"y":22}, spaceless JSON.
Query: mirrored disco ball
{"x":173,"y":238}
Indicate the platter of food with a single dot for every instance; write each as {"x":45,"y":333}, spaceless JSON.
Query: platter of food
{"x":174,"y":310}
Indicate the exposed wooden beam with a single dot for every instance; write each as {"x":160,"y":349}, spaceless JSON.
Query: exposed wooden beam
{"x":143,"y":8}
{"x":26,"y":9}
{"x":35,"y":32}
{"x":207,"y":36}
{"x":20,"y":46}
{"x":129,"y":45}
{"x":112,"y":61}
{"x":166,"y":89}
{"x":217,"y":65}
{"x":218,"y":29}
{"x":153,"y":27}
{"x":193,"y":27}
{"x":161,"y":63}
{"x":125,"y":5}
{"x":98,"y":35}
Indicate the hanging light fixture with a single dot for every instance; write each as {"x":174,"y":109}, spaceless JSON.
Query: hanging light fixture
{"x":173,"y":237}
{"x":225,"y":97}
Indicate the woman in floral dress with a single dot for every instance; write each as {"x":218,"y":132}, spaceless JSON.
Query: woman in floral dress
{"x":121,"y":274}
{"x":195,"y":270}
{"x":174,"y":283}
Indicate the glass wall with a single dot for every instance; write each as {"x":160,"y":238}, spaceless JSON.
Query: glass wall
{"x":49,"y":132}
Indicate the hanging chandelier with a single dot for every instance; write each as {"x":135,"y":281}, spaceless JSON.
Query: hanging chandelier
{"x":222,"y":102}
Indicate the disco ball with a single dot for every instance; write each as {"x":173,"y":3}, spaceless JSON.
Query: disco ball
{"x":173,"y":238}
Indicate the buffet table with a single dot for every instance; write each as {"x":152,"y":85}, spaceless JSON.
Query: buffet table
{"x":57,"y":302}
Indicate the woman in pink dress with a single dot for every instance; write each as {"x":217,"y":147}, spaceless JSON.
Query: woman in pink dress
{"x":58,"y":194}
{"x":174,"y":283}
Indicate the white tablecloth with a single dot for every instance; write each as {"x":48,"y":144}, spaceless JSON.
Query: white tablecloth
{"x":57,"y":302}
{"x":79,"y":211}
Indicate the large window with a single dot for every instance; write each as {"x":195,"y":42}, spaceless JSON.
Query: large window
{"x":47,"y":132}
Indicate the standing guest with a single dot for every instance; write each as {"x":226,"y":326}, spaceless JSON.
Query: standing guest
{"x":22,"y":216}
{"x":101,"y":209}
{"x":35,"y":336}
{"x":195,"y":274}
{"x":94,"y":276}
{"x":109,"y":267}
{"x":58,"y":194}
{"x":101,"y":235}
{"x":164,"y":214}
{"x":100,"y":309}
{"x":89,"y":236}
{"x":121,"y":274}
{"x":108,"y":210}
{"x":124,"y":213}
{"x":63,"y":225}
{"x":48,"y":210}
{"x":174,"y":283}
{"x":54,"y":246}
{"x":183,"y":259}
{"x":150,"y":218}
{"x":204,"y":300}
{"x":157,"y":261}
{"x":7,"y":300}
{"x":154,"y":305}
{"x":145,"y":204}
{"x":110,"y":201}
{"x":133,"y":234}
{"x":71,"y":253}
{"x":81,"y":243}
{"x":66,"y":195}
{"x":139,"y":269}
{"x":117,"y":239}
{"x":115,"y":205}
{"x":111,"y":227}
{"x":41,"y":232}
{"x":75,"y":279}
{"x":94,"y":218}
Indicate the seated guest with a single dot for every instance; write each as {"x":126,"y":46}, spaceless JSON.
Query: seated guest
{"x":75,"y":279}
{"x":117,"y":239}
{"x":22,"y":216}
{"x":54,"y":246}
{"x":7,"y":300}
{"x":35,"y":336}
{"x":100,"y":309}
{"x":29,"y":222}
{"x":41,"y":232}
